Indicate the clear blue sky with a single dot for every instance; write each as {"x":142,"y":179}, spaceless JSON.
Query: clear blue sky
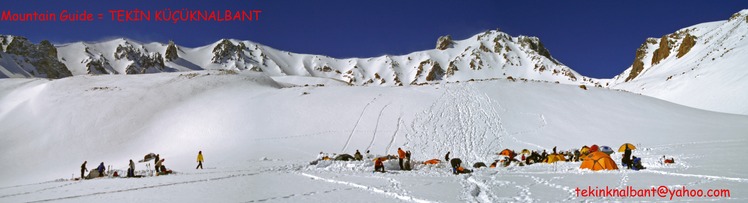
{"x":596,"y":38}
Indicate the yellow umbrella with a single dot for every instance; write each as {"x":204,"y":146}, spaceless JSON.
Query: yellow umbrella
{"x":623,"y":147}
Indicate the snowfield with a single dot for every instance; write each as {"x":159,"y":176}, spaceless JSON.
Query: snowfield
{"x":259,"y":133}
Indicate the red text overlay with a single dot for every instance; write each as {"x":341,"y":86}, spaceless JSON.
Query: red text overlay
{"x":135,"y":15}
{"x":661,"y":191}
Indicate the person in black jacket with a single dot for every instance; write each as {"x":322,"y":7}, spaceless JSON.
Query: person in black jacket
{"x":155,"y":162}
{"x":626,"y":160}
{"x":408,"y":167}
{"x":131,"y":170}
{"x":446,"y":157}
{"x":83,"y":169}
{"x":456,"y":162}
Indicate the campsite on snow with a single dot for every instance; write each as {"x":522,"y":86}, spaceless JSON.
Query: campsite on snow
{"x":491,"y":118}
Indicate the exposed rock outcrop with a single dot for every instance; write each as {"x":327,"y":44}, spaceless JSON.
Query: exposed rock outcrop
{"x":436,"y":72}
{"x":97,"y":65}
{"x":685,"y":46}
{"x":226,"y":50}
{"x":444,"y":42}
{"x":638,"y":66}
{"x":662,"y":52}
{"x":42,"y":56}
{"x":451,"y":68}
{"x":171,"y":52}
{"x":142,"y":60}
{"x":534,"y":44}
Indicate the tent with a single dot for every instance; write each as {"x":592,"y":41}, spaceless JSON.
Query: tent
{"x":555,"y":157}
{"x":479,"y":165}
{"x":526,"y":151}
{"x":432,"y":161}
{"x":93,"y":174}
{"x":584,"y":150}
{"x":623,"y":147}
{"x":507,"y":152}
{"x":598,"y":161}
{"x":344,"y":157}
{"x":594,"y":148}
{"x":606,"y":149}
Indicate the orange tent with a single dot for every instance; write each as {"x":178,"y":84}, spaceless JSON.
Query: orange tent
{"x":555,"y":157}
{"x":598,"y":161}
{"x":506,"y":152}
{"x":432,"y":161}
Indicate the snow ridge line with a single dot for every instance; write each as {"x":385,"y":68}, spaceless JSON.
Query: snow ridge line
{"x":376,"y":127}
{"x":367,"y":188}
{"x":347,"y":142}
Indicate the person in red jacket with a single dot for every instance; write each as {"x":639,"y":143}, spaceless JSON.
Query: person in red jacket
{"x":401,"y":156}
{"x":378,"y":165}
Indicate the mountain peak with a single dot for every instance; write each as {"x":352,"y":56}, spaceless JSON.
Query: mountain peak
{"x":740,"y":14}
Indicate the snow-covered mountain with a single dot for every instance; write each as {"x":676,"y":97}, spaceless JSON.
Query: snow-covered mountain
{"x":259,"y":115}
{"x":258,"y":136}
{"x":488,"y":55}
{"x":702,"y":66}
{"x":699,"y":66}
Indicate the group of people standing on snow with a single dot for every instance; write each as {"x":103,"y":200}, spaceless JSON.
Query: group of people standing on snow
{"x":159,"y":167}
{"x":99,"y":170}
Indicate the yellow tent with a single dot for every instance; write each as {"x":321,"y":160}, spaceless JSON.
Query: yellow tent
{"x":598,"y":161}
{"x":555,"y":157}
{"x":525,"y":151}
{"x":585,"y":150}
{"x":623,"y":147}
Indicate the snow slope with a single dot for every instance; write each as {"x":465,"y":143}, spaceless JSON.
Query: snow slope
{"x":711,"y":75}
{"x":258,"y":136}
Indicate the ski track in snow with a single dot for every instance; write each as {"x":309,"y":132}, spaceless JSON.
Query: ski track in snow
{"x":148,"y":187}
{"x":368,"y":188}
{"x":353,"y":131}
{"x":40,"y":190}
{"x":394,"y":135}
{"x":376,"y":127}
{"x":303,"y":194}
